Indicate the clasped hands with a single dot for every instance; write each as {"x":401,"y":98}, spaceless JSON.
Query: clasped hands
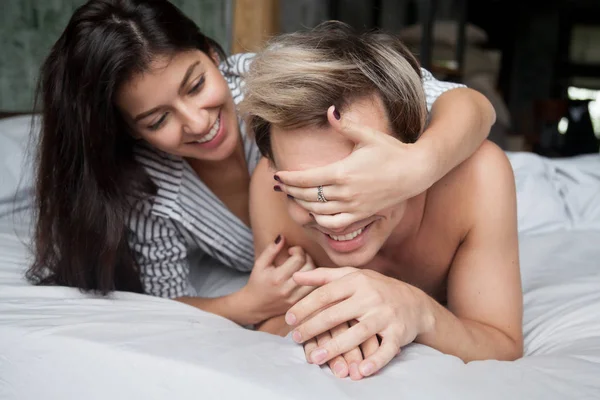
{"x":356,"y":320}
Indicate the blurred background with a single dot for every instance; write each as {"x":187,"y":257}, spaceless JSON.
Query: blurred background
{"x":537,"y":61}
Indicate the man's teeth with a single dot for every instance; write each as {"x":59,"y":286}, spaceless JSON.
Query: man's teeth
{"x":349,"y":236}
{"x":213,"y":132}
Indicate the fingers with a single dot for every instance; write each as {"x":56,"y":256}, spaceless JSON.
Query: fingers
{"x":327,"y":320}
{"x":337,"y":364}
{"x":388,"y":349}
{"x":309,"y":265}
{"x":346,"y":341}
{"x":353,"y":357}
{"x":309,"y":346}
{"x":328,"y":208}
{"x":293,"y":264}
{"x":331,"y":192}
{"x":319,"y":299}
{"x":309,"y":178}
{"x":321,"y":276}
{"x":299,"y":291}
{"x":370,"y":346}
{"x":268,"y":255}
{"x":356,"y":132}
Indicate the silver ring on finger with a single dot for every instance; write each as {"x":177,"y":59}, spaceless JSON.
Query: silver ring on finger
{"x":320,"y":196}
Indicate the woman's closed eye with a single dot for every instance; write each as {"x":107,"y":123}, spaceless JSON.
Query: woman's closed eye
{"x":155,"y":126}
{"x":194,"y":89}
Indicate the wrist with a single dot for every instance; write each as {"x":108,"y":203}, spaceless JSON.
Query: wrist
{"x":246,"y":306}
{"x":427,"y":310}
{"x":430,"y":157}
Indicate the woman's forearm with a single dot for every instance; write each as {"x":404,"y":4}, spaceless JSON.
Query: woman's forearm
{"x":460,"y":122}
{"x":234,"y":307}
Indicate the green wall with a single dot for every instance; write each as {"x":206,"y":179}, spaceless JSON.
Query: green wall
{"x":28,"y":28}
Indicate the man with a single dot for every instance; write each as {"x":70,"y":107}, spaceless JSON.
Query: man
{"x":440,"y":268}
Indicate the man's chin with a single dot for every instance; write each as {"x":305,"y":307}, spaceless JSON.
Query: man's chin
{"x":358,"y":258}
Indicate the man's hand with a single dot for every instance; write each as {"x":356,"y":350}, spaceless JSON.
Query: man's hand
{"x":383,"y":306}
{"x":346,"y":364}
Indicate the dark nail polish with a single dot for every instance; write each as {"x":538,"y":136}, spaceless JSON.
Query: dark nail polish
{"x":277,"y":188}
{"x":290,"y":197}
{"x":276,"y":178}
{"x":278,"y":239}
{"x":336,"y":114}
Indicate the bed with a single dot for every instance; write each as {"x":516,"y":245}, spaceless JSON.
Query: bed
{"x":57,"y":343}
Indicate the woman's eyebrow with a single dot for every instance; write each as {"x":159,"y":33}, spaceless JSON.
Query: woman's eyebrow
{"x":184,"y":82}
{"x":187,"y":75}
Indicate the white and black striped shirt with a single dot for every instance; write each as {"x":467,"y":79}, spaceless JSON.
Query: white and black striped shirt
{"x":185,"y":216}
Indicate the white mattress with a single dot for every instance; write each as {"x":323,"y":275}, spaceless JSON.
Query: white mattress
{"x":56,"y":343}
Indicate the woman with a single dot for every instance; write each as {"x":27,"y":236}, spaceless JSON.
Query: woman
{"x":143,"y":161}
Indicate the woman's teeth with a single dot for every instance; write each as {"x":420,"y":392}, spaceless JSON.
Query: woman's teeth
{"x":213,"y":132}
{"x":349,"y":236}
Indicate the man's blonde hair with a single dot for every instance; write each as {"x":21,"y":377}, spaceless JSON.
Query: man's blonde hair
{"x":293,"y":82}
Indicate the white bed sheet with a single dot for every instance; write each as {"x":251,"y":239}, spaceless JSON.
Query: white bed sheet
{"x":56,"y":343}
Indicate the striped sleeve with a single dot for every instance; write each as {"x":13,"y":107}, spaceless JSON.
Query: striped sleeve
{"x":160,"y":252}
{"x":434,"y":88}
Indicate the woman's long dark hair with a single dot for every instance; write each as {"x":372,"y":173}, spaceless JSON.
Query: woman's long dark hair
{"x":85,"y":167}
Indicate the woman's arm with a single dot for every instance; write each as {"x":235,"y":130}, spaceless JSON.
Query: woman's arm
{"x":460,"y":120}
{"x":161,"y":254}
{"x":382,"y":171}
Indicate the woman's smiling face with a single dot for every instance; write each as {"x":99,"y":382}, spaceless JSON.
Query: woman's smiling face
{"x":182,"y":106}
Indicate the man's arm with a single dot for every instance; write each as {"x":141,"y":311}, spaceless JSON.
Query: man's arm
{"x":485,"y":304}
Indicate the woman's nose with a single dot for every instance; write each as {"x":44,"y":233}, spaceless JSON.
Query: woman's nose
{"x":196,"y":121}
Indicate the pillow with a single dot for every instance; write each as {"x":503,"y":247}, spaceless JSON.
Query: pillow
{"x":16,"y":171}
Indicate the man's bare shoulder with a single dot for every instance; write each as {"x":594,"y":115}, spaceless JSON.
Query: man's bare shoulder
{"x":262,"y":175}
{"x":266,"y":206}
{"x":487,"y":170}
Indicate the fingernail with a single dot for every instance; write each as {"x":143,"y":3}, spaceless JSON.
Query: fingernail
{"x":296,"y":336}
{"x":278,"y":239}
{"x":290,"y":319}
{"x":336,"y":114}
{"x":354,"y":372}
{"x":368,"y":369}
{"x":339,"y":369}
{"x":290,"y":197}
{"x":277,"y":188}
{"x":276,"y":178}
{"x":318,"y":356}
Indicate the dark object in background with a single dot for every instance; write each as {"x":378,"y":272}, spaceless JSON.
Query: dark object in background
{"x":563,"y":128}
{"x":579,"y":137}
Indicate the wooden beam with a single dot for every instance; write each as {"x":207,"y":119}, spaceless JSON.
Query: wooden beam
{"x":254,"y":22}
